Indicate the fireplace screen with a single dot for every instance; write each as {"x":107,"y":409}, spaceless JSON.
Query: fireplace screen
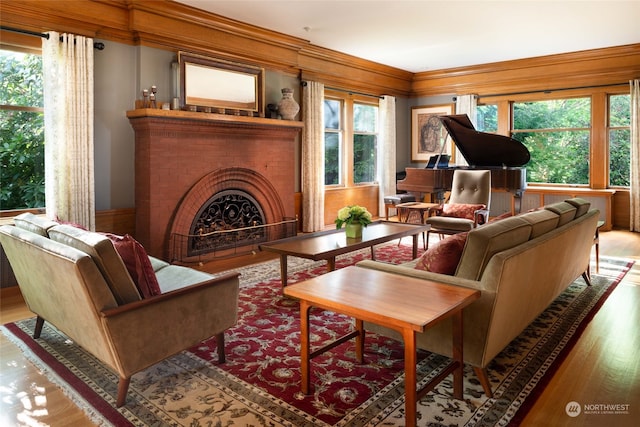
{"x":229,"y":219}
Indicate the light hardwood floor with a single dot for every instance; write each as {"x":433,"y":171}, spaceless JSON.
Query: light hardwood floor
{"x":602,"y":369}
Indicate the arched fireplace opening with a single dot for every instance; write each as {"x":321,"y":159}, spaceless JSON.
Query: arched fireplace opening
{"x":229,"y":217}
{"x":227,"y":212}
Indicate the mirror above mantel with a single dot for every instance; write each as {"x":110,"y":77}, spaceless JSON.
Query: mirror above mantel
{"x":219,"y":86}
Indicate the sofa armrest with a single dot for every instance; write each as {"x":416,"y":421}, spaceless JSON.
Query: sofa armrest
{"x":145,"y":332}
{"x":407,"y":270}
{"x":168,"y":296}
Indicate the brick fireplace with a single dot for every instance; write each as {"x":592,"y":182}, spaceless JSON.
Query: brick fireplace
{"x":185,"y":160}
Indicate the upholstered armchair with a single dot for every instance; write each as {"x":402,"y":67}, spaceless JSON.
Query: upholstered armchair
{"x":468,"y":204}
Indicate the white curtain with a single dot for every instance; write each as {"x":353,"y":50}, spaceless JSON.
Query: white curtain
{"x":466,"y":104}
{"x":635,"y":156}
{"x":68,"y":113}
{"x":387,"y":151}
{"x":313,"y":157}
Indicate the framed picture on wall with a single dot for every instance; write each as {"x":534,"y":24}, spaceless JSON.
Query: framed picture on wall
{"x":428,"y":136}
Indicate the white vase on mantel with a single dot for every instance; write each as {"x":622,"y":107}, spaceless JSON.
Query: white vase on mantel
{"x":288,"y":107}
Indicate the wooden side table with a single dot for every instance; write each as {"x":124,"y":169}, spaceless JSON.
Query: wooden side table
{"x":407,"y":210}
{"x":407,"y":304}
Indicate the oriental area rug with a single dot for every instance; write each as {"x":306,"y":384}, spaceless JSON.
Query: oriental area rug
{"x":259,"y":384}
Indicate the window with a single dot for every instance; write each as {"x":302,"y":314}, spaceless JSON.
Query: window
{"x":356,"y":121}
{"x":487,"y":118}
{"x":557,"y":134}
{"x":619,"y":126}
{"x":365,"y":143}
{"x":21,"y":131}
{"x":333,"y":141}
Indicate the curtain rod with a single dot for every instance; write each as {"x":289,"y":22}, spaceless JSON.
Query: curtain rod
{"x":97,"y":45}
{"x":550,"y":90}
{"x":350,"y":92}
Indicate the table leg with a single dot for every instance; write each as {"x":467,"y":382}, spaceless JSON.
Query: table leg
{"x":360,"y":341}
{"x":283,"y":270}
{"x":458,"y":374}
{"x":415,"y":246}
{"x":410,"y":378}
{"x":305,"y":362}
{"x":331,"y":264}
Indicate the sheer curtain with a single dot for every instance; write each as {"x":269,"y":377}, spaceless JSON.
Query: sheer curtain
{"x":387,"y":151}
{"x":312,"y":157}
{"x":635,"y":156}
{"x":68,"y":113}
{"x":466,"y":104}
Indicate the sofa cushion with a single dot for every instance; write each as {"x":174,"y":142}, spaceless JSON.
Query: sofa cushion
{"x":107,"y":259}
{"x":582,"y":205}
{"x":542,"y":221}
{"x":443,"y":257}
{"x":34,"y":223}
{"x":461,"y":210}
{"x":138,"y":264}
{"x":483,"y":242}
{"x":566,"y":211}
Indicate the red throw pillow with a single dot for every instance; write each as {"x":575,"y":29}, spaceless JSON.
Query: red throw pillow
{"x":501,"y":216}
{"x":138,"y":264}
{"x":444,"y":256}
{"x":460,"y":210}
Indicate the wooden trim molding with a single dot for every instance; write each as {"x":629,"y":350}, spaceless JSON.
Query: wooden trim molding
{"x":169,"y":25}
{"x":570,"y":70}
{"x":173,"y":26}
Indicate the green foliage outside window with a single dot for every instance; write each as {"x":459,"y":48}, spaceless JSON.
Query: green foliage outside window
{"x":557,"y":134}
{"x":619,"y":140}
{"x":331,"y":158}
{"x":332,"y":151}
{"x":364,"y":158}
{"x":487,"y":118}
{"x":365,"y":126}
{"x":21,"y":132}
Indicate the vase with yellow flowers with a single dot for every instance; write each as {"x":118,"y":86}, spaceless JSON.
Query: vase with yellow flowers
{"x":354,"y":218}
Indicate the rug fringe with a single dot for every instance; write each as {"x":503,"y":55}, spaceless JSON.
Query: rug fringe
{"x":91,"y":413}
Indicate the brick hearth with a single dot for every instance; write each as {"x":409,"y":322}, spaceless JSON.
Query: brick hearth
{"x":183,"y":158}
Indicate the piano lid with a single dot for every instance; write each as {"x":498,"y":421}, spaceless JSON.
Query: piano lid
{"x":482,"y":148}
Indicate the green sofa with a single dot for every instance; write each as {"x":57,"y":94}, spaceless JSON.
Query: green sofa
{"x":520,"y":264}
{"x":78,"y":282}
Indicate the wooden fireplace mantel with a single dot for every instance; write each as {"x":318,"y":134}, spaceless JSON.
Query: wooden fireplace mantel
{"x":212,"y":117}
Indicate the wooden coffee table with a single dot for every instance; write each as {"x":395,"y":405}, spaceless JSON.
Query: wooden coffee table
{"x":326,"y":245}
{"x":408,"y":305}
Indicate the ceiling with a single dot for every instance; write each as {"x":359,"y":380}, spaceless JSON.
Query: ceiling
{"x":424,"y":35}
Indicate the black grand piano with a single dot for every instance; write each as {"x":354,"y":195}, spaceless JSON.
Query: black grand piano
{"x":504,"y":156}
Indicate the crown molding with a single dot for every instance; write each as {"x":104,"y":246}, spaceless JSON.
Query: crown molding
{"x":594,"y":67}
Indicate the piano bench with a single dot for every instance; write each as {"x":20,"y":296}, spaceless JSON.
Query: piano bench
{"x":391,"y":201}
